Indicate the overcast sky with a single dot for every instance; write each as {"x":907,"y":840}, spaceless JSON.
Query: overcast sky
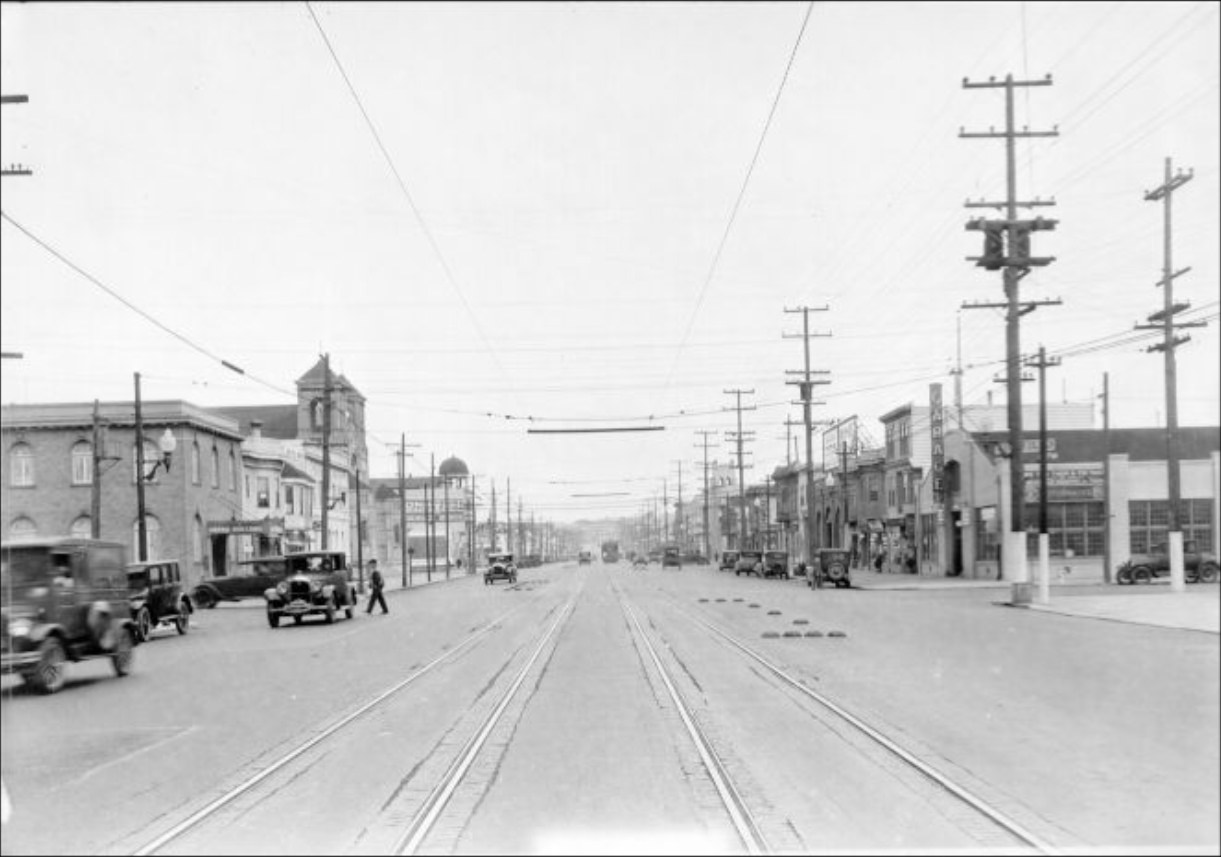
{"x":497,"y":217}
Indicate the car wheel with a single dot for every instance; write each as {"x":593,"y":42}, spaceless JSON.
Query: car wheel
{"x":1124,"y":576}
{"x":144,"y":625}
{"x":297,"y":619}
{"x":182,"y":622}
{"x":273,"y":618}
{"x":1141,"y":575}
{"x":330,"y":610}
{"x":1208,"y":572}
{"x":50,"y":673}
{"x":205,"y":599}
{"x":123,"y":652}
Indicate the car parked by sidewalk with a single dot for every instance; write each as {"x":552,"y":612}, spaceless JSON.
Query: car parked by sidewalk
{"x":318,"y":583}
{"x":156,"y":597}
{"x":749,"y":562}
{"x":729,"y":561}
{"x":65,"y":599}
{"x":776,"y":564}
{"x":251,"y":579}
{"x":1143,"y":568}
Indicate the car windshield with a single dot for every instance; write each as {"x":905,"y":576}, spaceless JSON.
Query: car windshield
{"x":137,"y":579}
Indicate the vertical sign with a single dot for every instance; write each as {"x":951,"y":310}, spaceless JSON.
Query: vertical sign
{"x":937,"y":428}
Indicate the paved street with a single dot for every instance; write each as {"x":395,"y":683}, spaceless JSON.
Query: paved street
{"x":1034,"y":713}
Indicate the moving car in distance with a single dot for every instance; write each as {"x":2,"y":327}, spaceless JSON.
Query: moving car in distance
{"x":500,"y":567}
{"x":585,"y":558}
{"x":317,"y":583}
{"x":610,"y":551}
{"x":670,"y":557}
{"x":729,"y":561}
{"x":749,"y":562}
{"x":156,"y":597}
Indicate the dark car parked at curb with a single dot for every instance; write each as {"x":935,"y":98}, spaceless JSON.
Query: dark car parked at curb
{"x":252,"y":579}
{"x":831,"y":567}
{"x":749,"y":562}
{"x":156,"y":597}
{"x":670,"y":557}
{"x":65,"y":599}
{"x":729,"y":561}
{"x":1142,"y":568}
{"x":776,"y":564}
{"x":318,"y":582}
{"x":500,"y":567}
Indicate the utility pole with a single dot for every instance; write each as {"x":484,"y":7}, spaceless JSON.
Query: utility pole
{"x":740,"y":437}
{"x":806,"y":387}
{"x":326,"y":446}
{"x":707,"y":528}
{"x":141,"y":528}
{"x":1163,"y":320}
{"x":1106,"y":477}
{"x":360,"y":530}
{"x":1042,"y":363}
{"x":665,"y":513}
{"x":493,"y":521}
{"x":474,"y":528}
{"x":1007,"y":248}
{"x":15,"y":169}
{"x":403,"y":511}
{"x":508,"y":515}
{"x":678,"y":509}
{"x":430,"y":522}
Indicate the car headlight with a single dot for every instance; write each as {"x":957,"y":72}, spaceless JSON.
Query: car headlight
{"x":20,"y":627}
{"x":282,"y":587}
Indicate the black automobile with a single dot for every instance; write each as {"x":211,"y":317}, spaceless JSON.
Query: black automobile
{"x":776,"y":564}
{"x":500,"y":567}
{"x":585,"y":558}
{"x":156,"y":597}
{"x":831,"y":566}
{"x":640,"y":561}
{"x":1143,"y":568}
{"x":671,"y":558}
{"x":65,"y":599}
{"x":749,"y":562}
{"x":318,"y":582}
{"x":729,"y":561}
{"x":252,"y":578}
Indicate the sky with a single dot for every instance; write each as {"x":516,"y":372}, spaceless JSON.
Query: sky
{"x":497,"y":218}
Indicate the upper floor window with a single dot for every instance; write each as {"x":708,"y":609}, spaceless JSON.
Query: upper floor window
{"x":263,"y":497}
{"x":21,"y":460}
{"x":82,"y":463}
{"x":215,"y":468}
{"x":232,"y":471}
{"x":195,"y":463}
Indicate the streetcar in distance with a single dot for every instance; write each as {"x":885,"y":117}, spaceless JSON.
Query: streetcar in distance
{"x":610,"y":551}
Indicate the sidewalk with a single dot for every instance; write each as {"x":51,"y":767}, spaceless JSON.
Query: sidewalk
{"x":1197,"y":608}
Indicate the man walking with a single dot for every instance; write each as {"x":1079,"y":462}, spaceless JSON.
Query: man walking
{"x":376,"y":583}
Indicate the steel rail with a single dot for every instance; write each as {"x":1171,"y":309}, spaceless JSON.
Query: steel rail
{"x":745,"y":824}
{"x":202,"y":814}
{"x":435,"y":803}
{"x":976,"y":803}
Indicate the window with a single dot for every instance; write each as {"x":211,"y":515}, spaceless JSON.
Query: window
{"x":22,"y":528}
{"x":290,"y":507}
{"x":82,"y":463}
{"x":232,"y":471}
{"x":197,"y":540}
{"x":82,"y":527}
{"x":195,"y":463}
{"x":21,"y":460}
{"x":215,"y":468}
{"x":152,"y":532}
{"x":1149,"y":523}
{"x":263,"y":498}
{"x":987,"y":535}
{"x":1076,"y":527}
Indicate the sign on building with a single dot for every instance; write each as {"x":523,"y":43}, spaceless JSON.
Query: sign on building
{"x":937,"y":432}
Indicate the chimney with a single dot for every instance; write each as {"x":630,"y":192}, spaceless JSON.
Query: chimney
{"x":256,"y":428}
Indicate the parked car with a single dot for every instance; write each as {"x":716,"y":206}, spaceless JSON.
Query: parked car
{"x":585,"y":558}
{"x":640,"y":561}
{"x":318,"y":582}
{"x":776,"y":564}
{"x":501,"y":567}
{"x":729,"y":561}
{"x":65,"y":599}
{"x":671,"y":558}
{"x":156,"y":597}
{"x":1142,"y":568}
{"x":749,"y":562}
{"x":831,"y":567}
{"x":252,"y":578}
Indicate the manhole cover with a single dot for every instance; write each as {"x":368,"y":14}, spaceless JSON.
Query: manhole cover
{"x":770,"y":634}
{"x":813,"y":633}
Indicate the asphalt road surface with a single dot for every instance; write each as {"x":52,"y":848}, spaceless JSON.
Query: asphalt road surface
{"x":605,"y":709}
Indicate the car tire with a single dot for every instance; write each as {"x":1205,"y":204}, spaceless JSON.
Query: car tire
{"x":50,"y":673}
{"x":330,"y":610}
{"x":1209,"y":572}
{"x":205,"y":598}
{"x":273,"y":618}
{"x":298,"y":619}
{"x":124,"y":651}
{"x":1141,"y":574}
{"x":144,"y":625}
{"x":182,"y":622}
{"x":1123,"y":576}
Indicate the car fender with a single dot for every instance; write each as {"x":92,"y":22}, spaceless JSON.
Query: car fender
{"x":210,"y":594}
{"x":272,"y":595}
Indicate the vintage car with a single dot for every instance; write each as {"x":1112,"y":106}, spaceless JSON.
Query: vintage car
{"x":729,"y":561}
{"x":671,"y":557}
{"x":640,"y":561}
{"x":831,"y":566}
{"x":1142,"y":568}
{"x":318,"y":582}
{"x":156,"y":597}
{"x":65,"y":599}
{"x":585,"y":558}
{"x":776,"y":564}
{"x":749,"y":562}
{"x":500,"y":567}
{"x":252,"y":579}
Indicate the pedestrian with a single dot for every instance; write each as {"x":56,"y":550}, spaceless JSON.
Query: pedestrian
{"x":376,"y":583}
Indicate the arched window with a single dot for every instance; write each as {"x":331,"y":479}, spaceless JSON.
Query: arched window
{"x":194,"y":463}
{"x":232,"y":486}
{"x":21,"y":460}
{"x":197,"y":540}
{"x":215,"y":468}
{"x":152,"y":529}
{"x":22,"y":529}
{"x":82,"y":527}
{"x":82,"y":463}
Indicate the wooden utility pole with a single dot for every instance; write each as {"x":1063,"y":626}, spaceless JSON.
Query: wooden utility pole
{"x":326,"y":447}
{"x":1106,"y":477}
{"x":1042,"y":363}
{"x":740,"y":437}
{"x":141,"y":527}
{"x":707,"y":526}
{"x":806,"y":386}
{"x":406,"y":556}
{"x":1007,"y":248}
{"x":1163,"y":320}
{"x":508,"y":515}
